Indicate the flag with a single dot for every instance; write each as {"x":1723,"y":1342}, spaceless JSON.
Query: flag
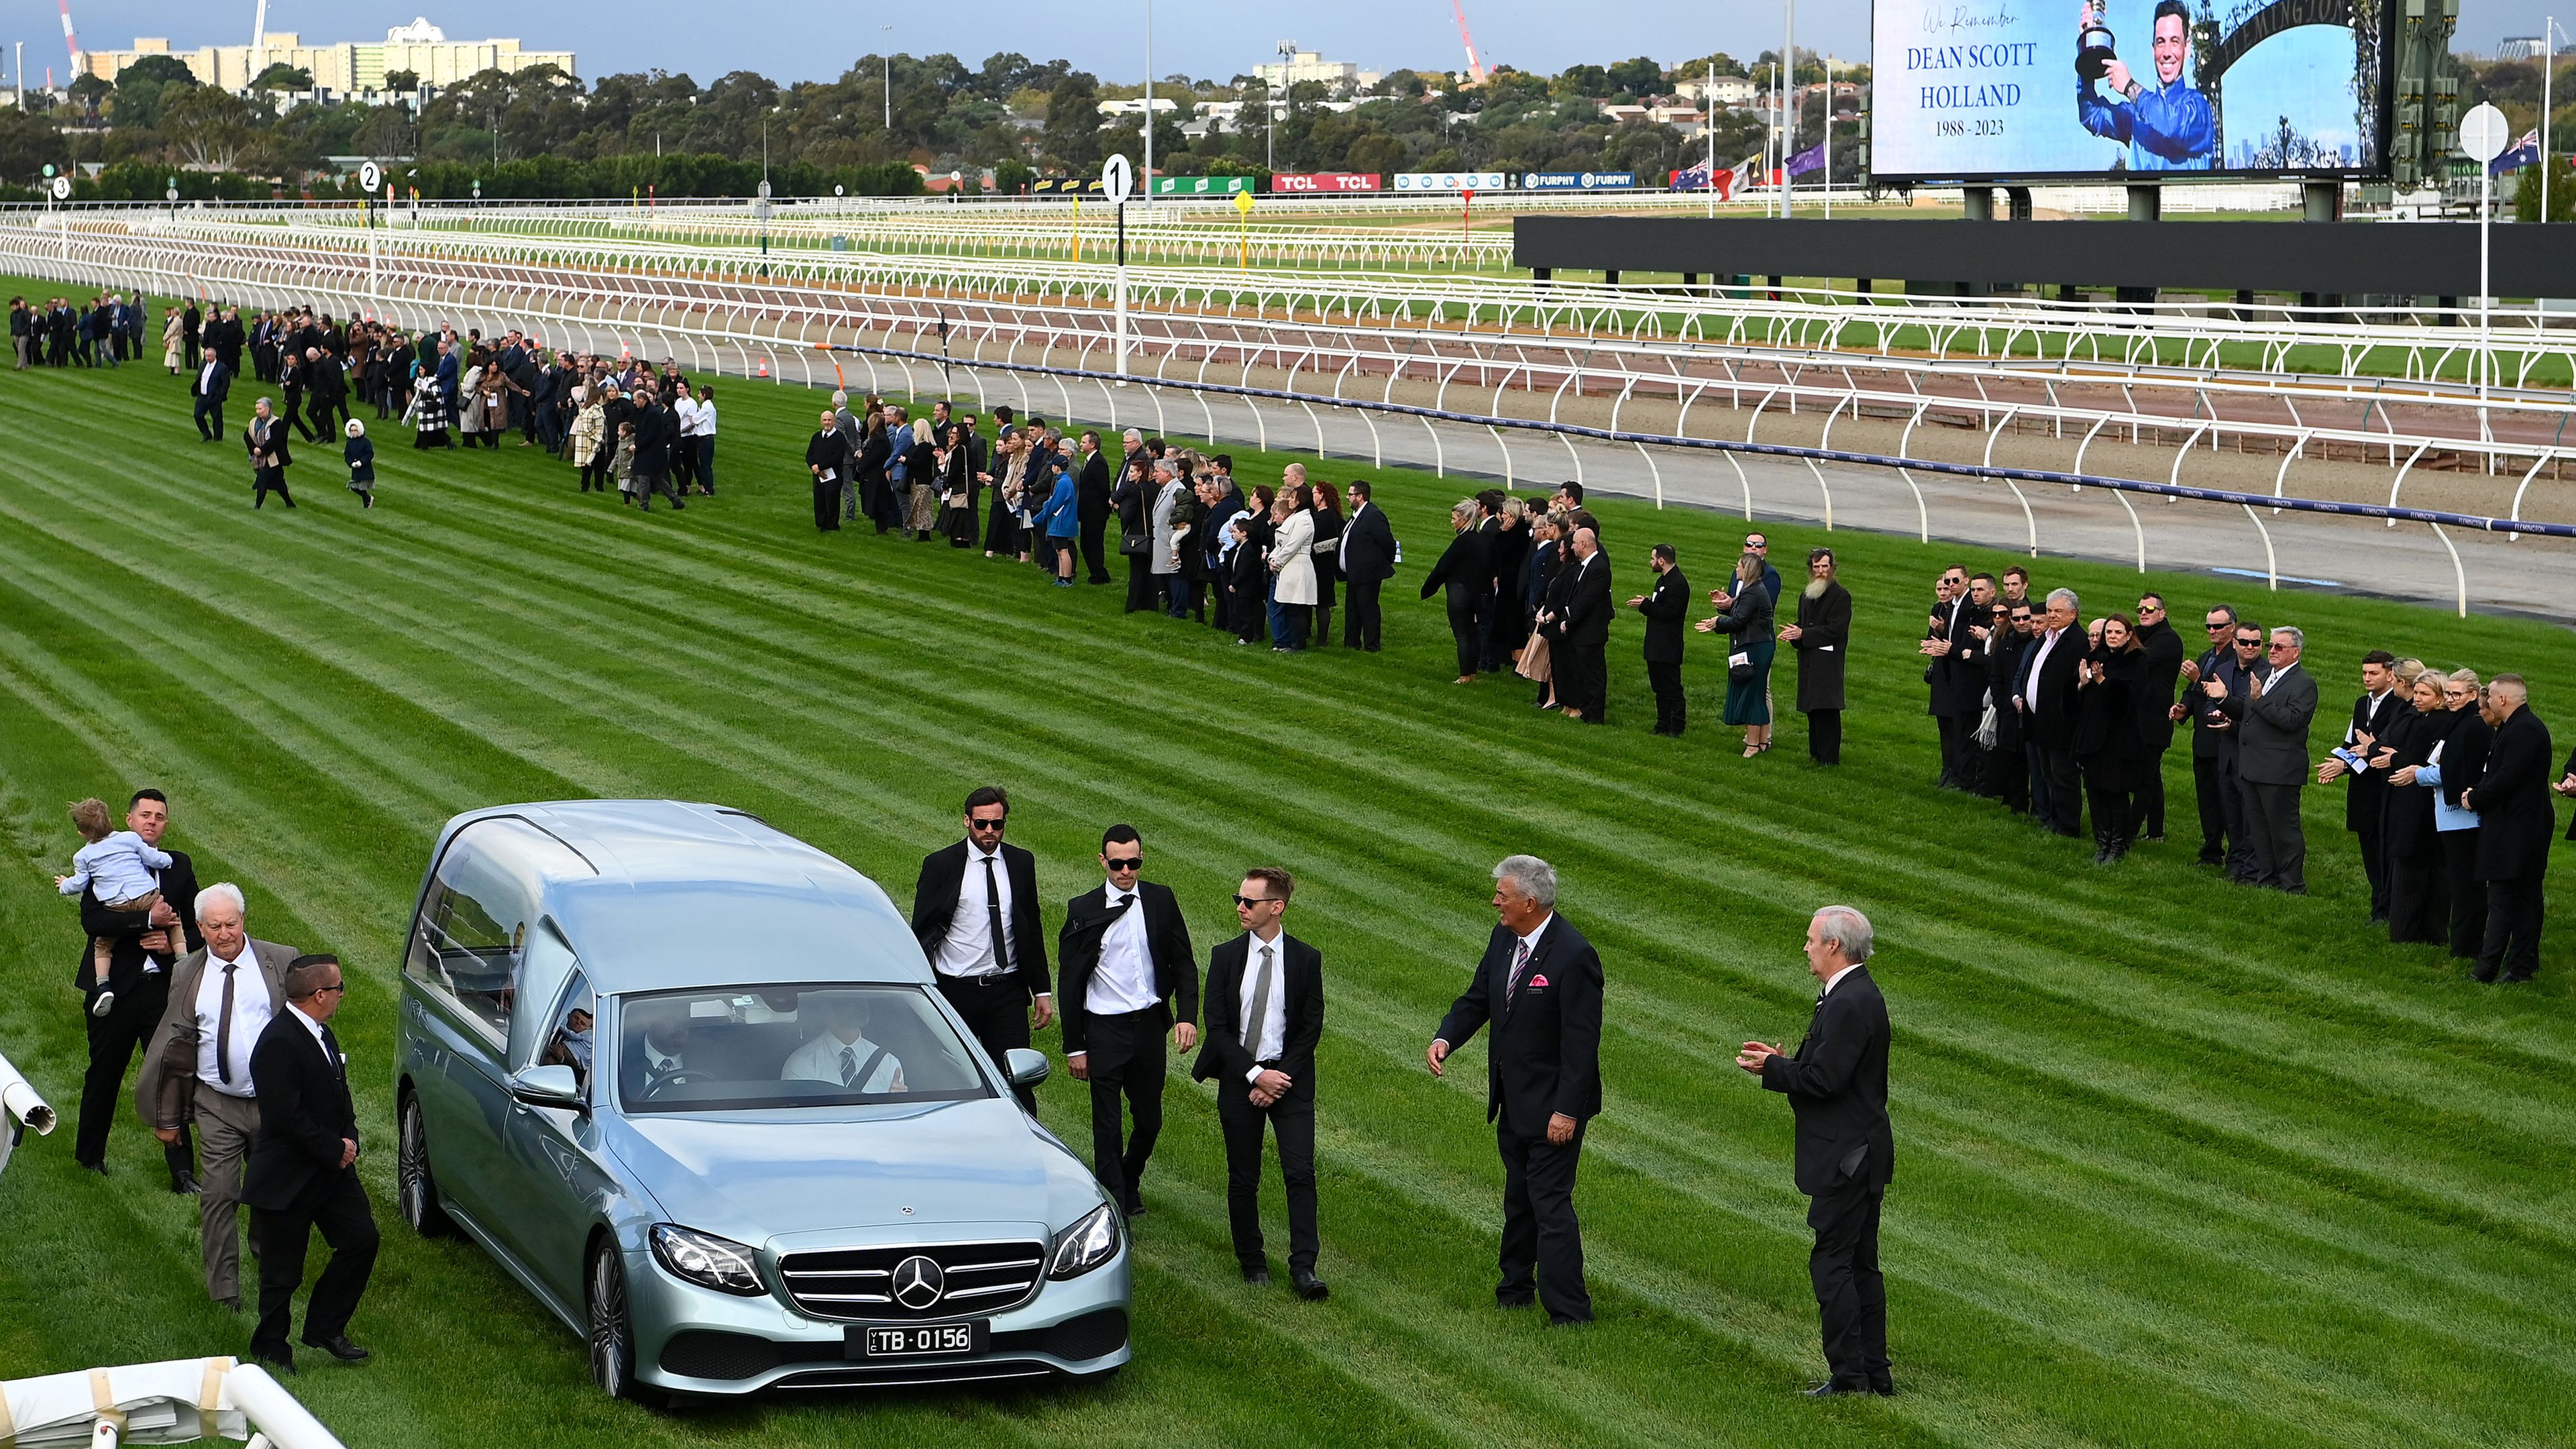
{"x":1694,"y":179}
{"x":2525,"y":152}
{"x":1811,"y":159}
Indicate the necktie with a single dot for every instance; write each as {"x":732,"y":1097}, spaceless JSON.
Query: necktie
{"x":993,"y":916}
{"x":1260,"y":1013}
{"x":849,"y":1067}
{"x":224,"y":1030}
{"x":1520,"y":963}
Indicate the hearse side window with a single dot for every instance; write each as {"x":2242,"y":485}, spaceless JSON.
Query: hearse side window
{"x":471,"y":934}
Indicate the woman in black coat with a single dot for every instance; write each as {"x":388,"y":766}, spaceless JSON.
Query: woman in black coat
{"x":1326,"y":554}
{"x":2464,"y":746}
{"x":1821,"y":638}
{"x":1133,"y":500}
{"x":2419,"y":888}
{"x":2109,"y":745}
{"x":1466,"y":572}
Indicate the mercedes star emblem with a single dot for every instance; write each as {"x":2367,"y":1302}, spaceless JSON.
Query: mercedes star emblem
{"x":918,"y":1283}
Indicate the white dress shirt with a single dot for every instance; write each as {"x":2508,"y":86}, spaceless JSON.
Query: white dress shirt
{"x":687,"y":409}
{"x":252,"y":1011}
{"x":315,"y":1027}
{"x":2036,"y":664}
{"x":1124,"y":979}
{"x":819,"y":1060}
{"x":206,"y":375}
{"x":707,"y":419}
{"x":1836,"y":979}
{"x":1270,"y":1041}
{"x":967,"y":949}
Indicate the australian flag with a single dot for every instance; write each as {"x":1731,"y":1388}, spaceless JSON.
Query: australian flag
{"x":1694,"y":179}
{"x":2525,"y":152}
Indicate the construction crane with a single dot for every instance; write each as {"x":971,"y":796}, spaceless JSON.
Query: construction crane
{"x":71,"y":42}
{"x":1475,"y":67}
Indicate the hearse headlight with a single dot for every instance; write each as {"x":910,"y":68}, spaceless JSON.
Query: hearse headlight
{"x":706,"y":1260}
{"x":1086,"y":1245}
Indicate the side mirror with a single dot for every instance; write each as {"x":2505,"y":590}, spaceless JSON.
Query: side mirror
{"x":1027,"y":1067}
{"x":548,"y":1086}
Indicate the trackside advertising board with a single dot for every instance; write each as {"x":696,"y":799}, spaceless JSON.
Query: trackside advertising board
{"x":1323,"y":183}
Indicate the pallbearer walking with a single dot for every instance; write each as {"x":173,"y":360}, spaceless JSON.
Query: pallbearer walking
{"x":975,"y":912}
{"x":1265,"y":1013}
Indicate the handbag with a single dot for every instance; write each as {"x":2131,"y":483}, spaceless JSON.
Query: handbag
{"x":1135,"y":545}
{"x":1535,"y":662}
{"x":1739,"y":668}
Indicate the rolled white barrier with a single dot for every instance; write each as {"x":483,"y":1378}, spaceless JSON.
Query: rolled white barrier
{"x":19,"y":1104}
{"x":174,"y":1402}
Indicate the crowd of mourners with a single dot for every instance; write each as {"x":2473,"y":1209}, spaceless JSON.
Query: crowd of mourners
{"x":104,"y":331}
{"x":621,"y":422}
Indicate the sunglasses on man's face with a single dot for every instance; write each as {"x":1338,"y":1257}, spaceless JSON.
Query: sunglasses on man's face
{"x":2218,"y":628}
{"x":994,"y":824}
{"x":1245,"y":903}
{"x":1126,"y":862}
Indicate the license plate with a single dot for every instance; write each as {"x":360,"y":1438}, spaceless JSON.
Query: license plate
{"x":922,"y":1340}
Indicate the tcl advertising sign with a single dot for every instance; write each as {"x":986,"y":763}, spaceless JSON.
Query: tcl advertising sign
{"x":1452,"y":181}
{"x":1324,"y":181}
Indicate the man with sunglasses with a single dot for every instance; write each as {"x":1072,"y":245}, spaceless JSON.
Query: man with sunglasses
{"x":975,"y":913}
{"x":2272,"y":713}
{"x":2213,"y":738}
{"x":2164,"y":651}
{"x":1129,"y":977}
{"x":303,"y":1171}
{"x":1265,"y":1013}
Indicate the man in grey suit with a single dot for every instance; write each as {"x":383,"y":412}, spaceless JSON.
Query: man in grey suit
{"x":2271,"y":717}
{"x":197,"y":1071}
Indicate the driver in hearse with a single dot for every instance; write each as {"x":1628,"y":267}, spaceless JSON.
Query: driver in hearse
{"x":2168,"y":126}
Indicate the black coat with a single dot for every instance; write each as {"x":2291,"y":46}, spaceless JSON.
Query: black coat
{"x":2406,"y":824}
{"x":2107,"y":731}
{"x":2003,"y":670}
{"x":2365,"y":798}
{"x":1167,"y":941}
{"x":1837,"y":1085}
{"x":1091,"y":489}
{"x":1823,"y":645}
{"x":1464,"y":569}
{"x":2050,"y":692}
{"x":2209,"y":741}
{"x":2164,"y":650}
{"x":1300,"y":980}
{"x":934,"y":906}
{"x":1545,"y":1057}
{"x":304,"y":1115}
{"x":1666,"y":609}
{"x":829,"y":451}
{"x":1587,"y":600}
{"x":1368,"y":546}
{"x":217,"y":384}
{"x":1959,"y":677}
{"x":2515,"y":818}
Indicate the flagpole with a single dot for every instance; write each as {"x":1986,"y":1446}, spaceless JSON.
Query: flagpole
{"x":1788,"y":94}
{"x":1829,"y":138}
{"x":1708,"y":102}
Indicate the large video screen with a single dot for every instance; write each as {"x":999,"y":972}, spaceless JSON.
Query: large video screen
{"x":1995,"y":90}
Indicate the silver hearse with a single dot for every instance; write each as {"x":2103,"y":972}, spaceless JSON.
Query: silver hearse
{"x":688,"y":1080}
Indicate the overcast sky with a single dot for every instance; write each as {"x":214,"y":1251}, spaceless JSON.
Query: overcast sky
{"x":791,"y":40}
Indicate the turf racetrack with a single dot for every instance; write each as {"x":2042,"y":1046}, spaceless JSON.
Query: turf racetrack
{"x":2177,"y":1164}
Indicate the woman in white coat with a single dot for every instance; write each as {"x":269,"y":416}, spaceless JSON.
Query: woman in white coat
{"x":1292,"y":569}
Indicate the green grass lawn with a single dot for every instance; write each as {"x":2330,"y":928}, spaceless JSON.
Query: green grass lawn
{"x":2178,"y":1164}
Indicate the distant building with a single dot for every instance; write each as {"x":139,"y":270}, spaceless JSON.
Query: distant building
{"x":343,"y":68}
{"x":1727,"y":90}
{"x":2522,"y":47}
{"x":1309,"y":65}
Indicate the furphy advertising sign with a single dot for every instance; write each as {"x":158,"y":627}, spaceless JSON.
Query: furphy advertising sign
{"x":1992,"y":90}
{"x":1452,"y":181}
{"x":1578,"y":180}
{"x":1322,"y":182}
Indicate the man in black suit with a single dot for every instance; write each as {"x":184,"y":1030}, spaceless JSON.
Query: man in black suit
{"x":2164,"y":650}
{"x":1837,"y":1085}
{"x":1368,"y":561}
{"x":2515,"y":821}
{"x":2272,"y":714}
{"x":2365,"y":800}
{"x":1664,"y":610}
{"x":1129,"y":977}
{"x":303,"y":1171}
{"x":1962,"y":627}
{"x":975,"y":913}
{"x":209,"y":387}
{"x":1583,"y":669}
{"x":1461,"y":572}
{"x":2048,"y":708}
{"x":192,"y":325}
{"x":1539,"y":984}
{"x":1091,"y":506}
{"x":2220,"y":795}
{"x":145,"y":945}
{"x":1265,"y":1013}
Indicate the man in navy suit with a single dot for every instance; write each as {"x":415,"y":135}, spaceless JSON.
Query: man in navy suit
{"x":1265,"y":1013}
{"x":1539,"y":984}
{"x":1837,"y":1085}
{"x":303,"y":1171}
